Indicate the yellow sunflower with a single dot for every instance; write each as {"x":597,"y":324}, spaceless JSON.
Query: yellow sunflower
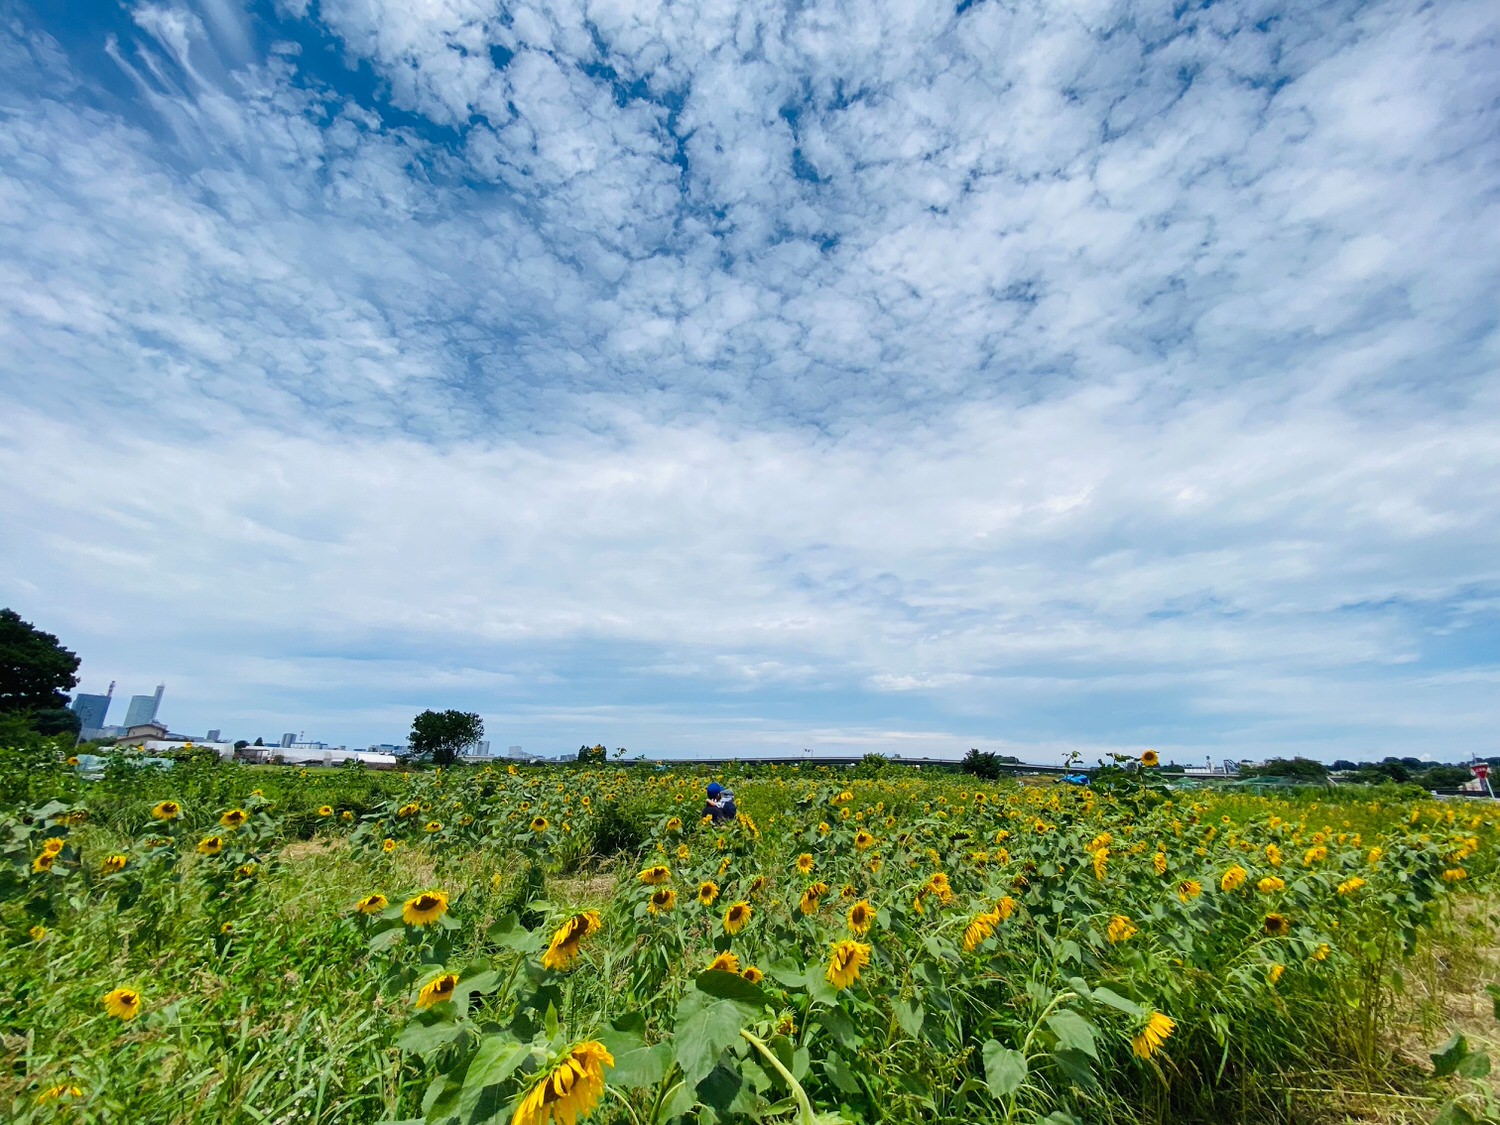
{"x":863,"y":840}
{"x":1270,"y":885}
{"x":1189,"y":889}
{"x":52,"y":845}
{"x":1349,"y":886}
{"x":569,"y":1091}
{"x":432,"y":826}
{"x":812,"y":898}
{"x":1149,"y":1039}
{"x":805,"y":863}
{"x":1150,"y":759}
{"x":57,"y":1093}
{"x":233,"y":818}
{"x":388,"y":845}
{"x":166,"y":810}
{"x":980,"y":928}
{"x":708,"y":892}
{"x":737,"y":917}
{"x":1121,"y":929}
{"x":1273,"y":974}
{"x":539,"y":824}
{"x":1234,"y":878}
{"x":861,"y":917}
{"x":674,"y":824}
{"x":655,"y":876}
{"x":122,"y":1003}
{"x":437,"y":990}
{"x":372,"y":903}
{"x":568,"y":939}
{"x":752,"y":974}
{"x":663,"y":900}
{"x":43,"y":862}
{"x":845,"y":960}
{"x":425,"y":908}
{"x":725,"y":962}
{"x":1278,"y":925}
{"x":211,"y":845}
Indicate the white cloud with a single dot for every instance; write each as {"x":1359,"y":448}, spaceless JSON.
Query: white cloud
{"x":777,"y":362}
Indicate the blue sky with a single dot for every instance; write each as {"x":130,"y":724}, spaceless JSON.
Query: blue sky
{"x":748,"y":377}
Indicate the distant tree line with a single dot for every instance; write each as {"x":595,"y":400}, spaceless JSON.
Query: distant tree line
{"x":1402,"y":771}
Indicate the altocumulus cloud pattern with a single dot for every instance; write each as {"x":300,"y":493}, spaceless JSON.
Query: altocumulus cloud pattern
{"x":746,"y":375}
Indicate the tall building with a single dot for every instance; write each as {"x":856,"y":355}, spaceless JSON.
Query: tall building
{"x":92,"y":709}
{"x":213,"y":735}
{"x":143,"y":708}
{"x":288,"y":738}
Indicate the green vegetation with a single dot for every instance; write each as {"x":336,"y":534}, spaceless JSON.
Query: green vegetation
{"x":223,"y":943}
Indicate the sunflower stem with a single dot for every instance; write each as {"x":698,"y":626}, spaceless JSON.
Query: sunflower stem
{"x":804,"y":1107}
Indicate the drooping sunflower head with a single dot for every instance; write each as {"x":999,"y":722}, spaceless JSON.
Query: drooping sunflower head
{"x":674,"y":824}
{"x":979,"y":928}
{"x":425,"y":908}
{"x":166,"y":810}
{"x":1278,"y":925}
{"x":725,"y":962}
{"x":845,"y":960}
{"x":566,"y":942}
{"x":569,"y":1091}
{"x":409,"y":809}
{"x":246,"y":871}
{"x":1121,"y":929}
{"x":372,"y":903}
{"x":432,"y":827}
{"x":737,"y":917}
{"x":437,"y":990}
{"x":1189,"y":889}
{"x":1270,"y":885}
{"x":233,"y":818}
{"x":1149,"y":1039}
{"x":211,"y":845}
{"x":1233,"y":879}
{"x":122,"y":1003}
{"x":656,"y":875}
{"x":1273,"y":974}
{"x":708,"y":892}
{"x":861,"y":917}
{"x":757,"y":885}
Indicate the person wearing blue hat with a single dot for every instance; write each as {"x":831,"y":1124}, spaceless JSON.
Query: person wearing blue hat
{"x":720,"y":804}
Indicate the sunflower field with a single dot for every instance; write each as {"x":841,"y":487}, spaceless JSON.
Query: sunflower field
{"x":223,"y":943}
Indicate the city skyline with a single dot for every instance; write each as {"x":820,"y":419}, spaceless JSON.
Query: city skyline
{"x":1087,"y":377}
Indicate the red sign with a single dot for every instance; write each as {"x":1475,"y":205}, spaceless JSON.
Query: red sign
{"x":1481,"y":771}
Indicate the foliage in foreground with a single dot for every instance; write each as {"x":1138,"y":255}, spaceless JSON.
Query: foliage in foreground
{"x":222,"y":943}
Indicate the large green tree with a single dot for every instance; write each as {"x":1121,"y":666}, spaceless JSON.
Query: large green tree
{"x":36,"y":672}
{"x":441,"y":736}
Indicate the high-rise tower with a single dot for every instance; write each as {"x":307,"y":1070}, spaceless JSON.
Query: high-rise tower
{"x":143,"y":708}
{"x":92,"y":709}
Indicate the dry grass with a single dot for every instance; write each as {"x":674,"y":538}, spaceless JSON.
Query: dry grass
{"x":1443,"y":994}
